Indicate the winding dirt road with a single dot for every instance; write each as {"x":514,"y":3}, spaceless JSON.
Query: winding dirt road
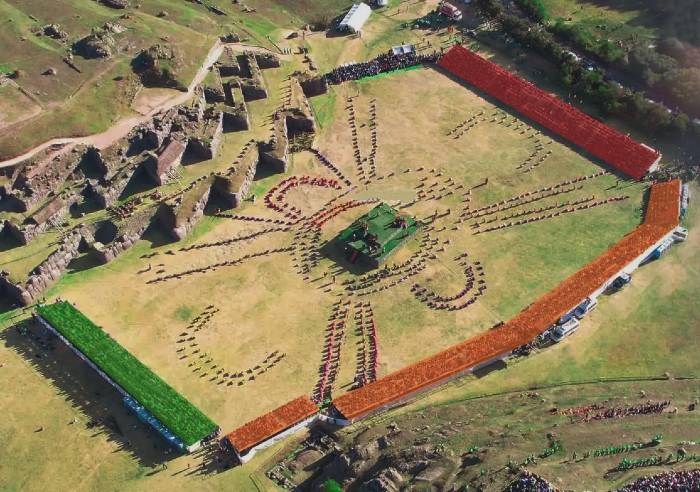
{"x":124,"y":126}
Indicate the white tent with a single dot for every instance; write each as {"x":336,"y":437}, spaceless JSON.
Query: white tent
{"x":356,"y":17}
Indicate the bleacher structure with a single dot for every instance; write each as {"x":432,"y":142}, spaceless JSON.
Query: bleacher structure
{"x":607,"y":144}
{"x":661,"y":224}
{"x":267,"y":429}
{"x":153,"y":401}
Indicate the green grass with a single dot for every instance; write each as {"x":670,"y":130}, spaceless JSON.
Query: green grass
{"x":324,"y":107}
{"x":167,"y":405}
{"x":259,"y":25}
{"x":183,"y":313}
{"x":388,"y":74}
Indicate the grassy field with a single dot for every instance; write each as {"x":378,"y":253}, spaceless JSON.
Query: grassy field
{"x":476,"y":442}
{"x":615,"y":20}
{"x":264,"y":305}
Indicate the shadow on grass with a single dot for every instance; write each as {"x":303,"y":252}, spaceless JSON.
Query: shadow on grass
{"x":99,"y":404}
{"x":488,"y":369}
{"x":331,"y":251}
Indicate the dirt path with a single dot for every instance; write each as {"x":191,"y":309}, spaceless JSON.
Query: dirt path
{"x":124,"y":126}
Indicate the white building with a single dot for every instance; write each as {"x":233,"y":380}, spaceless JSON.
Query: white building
{"x":356,"y":17}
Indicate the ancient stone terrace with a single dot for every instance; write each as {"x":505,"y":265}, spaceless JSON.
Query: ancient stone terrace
{"x":168,"y":158}
{"x":205,"y":140}
{"x":32,"y":181}
{"x":275,"y":152}
{"x":44,"y":218}
{"x":251,"y":82}
{"x":232,"y":186}
{"x":49,"y":270}
{"x":178,"y":215}
{"x":126,"y":232}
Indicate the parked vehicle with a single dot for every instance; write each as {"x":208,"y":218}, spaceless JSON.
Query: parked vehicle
{"x":564,"y":330}
{"x":585,"y":307}
{"x":620,"y":283}
{"x":450,"y":11}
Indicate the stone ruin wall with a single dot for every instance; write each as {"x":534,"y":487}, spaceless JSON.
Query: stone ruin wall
{"x":275,"y":152}
{"x":267,"y":60}
{"x":253,"y":88}
{"x":313,"y":86}
{"x":49,"y":271}
{"x":178,"y":223}
{"x":24,"y":233}
{"x":232,"y":187}
{"x":37,"y":179}
{"x":206,"y":146}
{"x":130,"y":232}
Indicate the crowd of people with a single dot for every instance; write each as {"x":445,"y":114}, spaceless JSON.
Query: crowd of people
{"x":205,"y":366}
{"x":537,"y":218}
{"x":249,"y":218}
{"x":365,"y":177}
{"x":430,"y":191}
{"x":275,"y":198}
{"x":670,"y":481}
{"x":322,"y":218}
{"x":371,"y":279}
{"x":221,"y":264}
{"x":529,"y":482}
{"x":332,"y":167}
{"x":227,"y":242}
{"x":436,"y":301}
{"x":386,"y":62}
{"x":647,"y":408}
{"x":330,"y":360}
{"x":367,"y":359}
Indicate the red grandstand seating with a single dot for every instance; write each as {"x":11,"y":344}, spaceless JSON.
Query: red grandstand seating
{"x":618,"y":150}
{"x":661,"y":218}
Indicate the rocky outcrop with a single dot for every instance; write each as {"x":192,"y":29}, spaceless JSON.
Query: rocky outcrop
{"x":231,"y":186}
{"x":158,"y":66}
{"x":230,"y":37}
{"x":54,"y":31}
{"x":128,"y":232}
{"x":205,"y":141}
{"x":116,"y":4}
{"x":275,"y":152}
{"x":97,"y":44}
{"x":180,"y":214}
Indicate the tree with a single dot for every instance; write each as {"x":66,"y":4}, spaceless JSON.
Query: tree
{"x":683,"y":87}
{"x":331,"y":485}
